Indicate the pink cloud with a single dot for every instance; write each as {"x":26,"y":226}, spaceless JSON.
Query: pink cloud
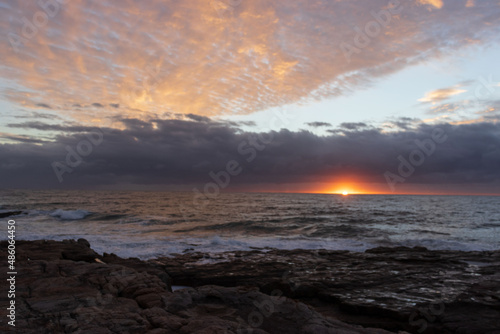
{"x":220,"y":57}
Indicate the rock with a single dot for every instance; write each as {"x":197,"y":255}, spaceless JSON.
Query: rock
{"x":9,"y":214}
{"x":55,"y":250}
{"x":83,"y":242}
{"x":152,"y":267}
{"x":60,"y":288}
{"x":215,"y":309}
{"x":411,"y":289}
{"x":61,"y":293}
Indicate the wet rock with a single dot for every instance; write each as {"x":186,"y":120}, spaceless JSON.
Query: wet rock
{"x":411,"y":289}
{"x":61,"y":288}
{"x":57,"y":293}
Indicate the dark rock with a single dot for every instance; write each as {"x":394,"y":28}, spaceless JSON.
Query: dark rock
{"x":48,"y":250}
{"x":61,"y":288}
{"x":9,"y":214}
{"x":215,"y":309}
{"x":152,"y":267}
{"x":392,"y":288}
{"x":83,"y":242}
{"x":57,"y":292}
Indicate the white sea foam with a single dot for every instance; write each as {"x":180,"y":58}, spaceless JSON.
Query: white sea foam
{"x":153,"y":248}
{"x":148,"y":248}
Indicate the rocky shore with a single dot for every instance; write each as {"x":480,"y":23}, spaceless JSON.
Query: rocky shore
{"x":65,"y":287}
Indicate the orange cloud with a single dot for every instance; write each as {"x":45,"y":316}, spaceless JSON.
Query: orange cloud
{"x":164,"y":57}
{"x":441,"y":94}
{"x":436,"y":3}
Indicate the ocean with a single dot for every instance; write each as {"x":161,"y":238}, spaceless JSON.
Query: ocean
{"x":153,"y":224}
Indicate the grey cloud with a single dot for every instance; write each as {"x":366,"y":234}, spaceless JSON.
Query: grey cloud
{"x":51,"y":127}
{"x":177,"y":152}
{"x":247,"y":123}
{"x":319,"y":124}
{"x":43,"y":105}
{"x":198,"y":118}
{"x":404,"y":123}
{"x":353,"y":126}
{"x":22,"y":139}
{"x":37,"y":115}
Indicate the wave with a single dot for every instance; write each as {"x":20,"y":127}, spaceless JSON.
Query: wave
{"x":70,"y":214}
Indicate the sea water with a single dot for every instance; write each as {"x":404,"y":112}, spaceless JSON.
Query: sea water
{"x":152,"y":224}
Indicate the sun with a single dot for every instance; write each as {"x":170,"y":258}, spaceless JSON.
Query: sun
{"x":345,"y":193}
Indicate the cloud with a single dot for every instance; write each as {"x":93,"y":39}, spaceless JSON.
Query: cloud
{"x":184,"y":152}
{"x":198,"y":118}
{"x":404,"y":123}
{"x":38,"y":115}
{"x":436,"y":3}
{"x":43,"y":105}
{"x":353,"y":126}
{"x":470,"y":3}
{"x":51,"y":127}
{"x":199,"y":57}
{"x":348,"y":127}
{"x":318,"y":124}
{"x":439,"y":95}
{"x":446,"y":108}
{"x":20,"y":138}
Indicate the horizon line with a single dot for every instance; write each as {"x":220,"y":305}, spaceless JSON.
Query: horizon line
{"x":354,"y":193}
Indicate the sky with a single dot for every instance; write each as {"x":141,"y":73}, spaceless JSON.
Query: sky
{"x":327,"y":96}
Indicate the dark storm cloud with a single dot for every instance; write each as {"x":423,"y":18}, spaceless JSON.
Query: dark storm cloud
{"x":170,"y":152}
{"x":318,"y":124}
{"x":173,"y":152}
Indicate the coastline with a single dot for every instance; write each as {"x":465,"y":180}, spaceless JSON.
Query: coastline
{"x":65,"y":287}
